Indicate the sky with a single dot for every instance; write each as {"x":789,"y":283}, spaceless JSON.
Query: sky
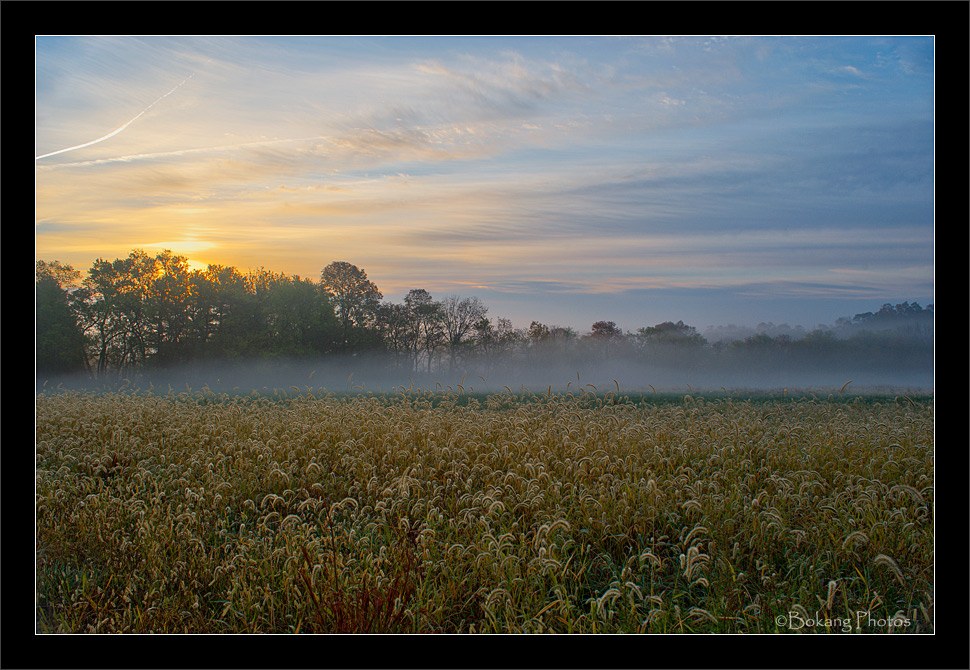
{"x":566,"y":180}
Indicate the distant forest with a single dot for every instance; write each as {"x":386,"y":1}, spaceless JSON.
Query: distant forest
{"x":144,"y":313}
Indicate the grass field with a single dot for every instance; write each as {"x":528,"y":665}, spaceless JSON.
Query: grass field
{"x":430,"y":511}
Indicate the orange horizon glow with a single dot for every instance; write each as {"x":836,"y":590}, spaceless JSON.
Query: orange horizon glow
{"x":573,"y":174}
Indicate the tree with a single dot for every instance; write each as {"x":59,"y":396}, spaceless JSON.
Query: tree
{"x":506,"y":341}
{"x":669,"y":332}
{"x":605,"y":330}
{"x":538,"y":333}
{"x":426,"y":320}
{"x":300,"y":318}
{"x":459,"y":316}
{"x":167,"y":302}
{"x":394,"y":321}
{"x":65,"y":276}
{"x":227,"y":314}
{"x":355,"y":299}
{"x":606,"y":333}
{"x":563,"y":334}
{"x":115,"y":312}
{"x":59,"y":344}
{"x":485,"y":337}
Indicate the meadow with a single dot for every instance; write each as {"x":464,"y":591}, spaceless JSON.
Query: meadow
{"x":441,"y":511}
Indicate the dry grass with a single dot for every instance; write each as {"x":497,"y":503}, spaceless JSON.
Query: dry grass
{"x":439,"y":512}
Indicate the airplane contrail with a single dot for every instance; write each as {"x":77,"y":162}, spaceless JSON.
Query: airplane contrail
{"x":181,"y":152}
{"x":115,"y":132}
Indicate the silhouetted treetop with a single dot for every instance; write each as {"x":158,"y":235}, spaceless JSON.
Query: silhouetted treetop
{"x":151,"y":311}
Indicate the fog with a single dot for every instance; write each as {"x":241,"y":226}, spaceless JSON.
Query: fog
{"x":677,"y":373}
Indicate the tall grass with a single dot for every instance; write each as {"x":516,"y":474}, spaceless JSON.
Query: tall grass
{"x":425,"y":511}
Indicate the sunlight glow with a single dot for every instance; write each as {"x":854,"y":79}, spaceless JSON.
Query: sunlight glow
{"x":579,"y":168}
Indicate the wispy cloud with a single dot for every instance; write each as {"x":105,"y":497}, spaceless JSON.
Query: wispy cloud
{"x":574,"y":166}
{"x":118,"y":130}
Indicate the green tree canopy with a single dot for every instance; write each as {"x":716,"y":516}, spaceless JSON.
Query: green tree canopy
{"x":354,"y":296}
{"x":59,"y":344}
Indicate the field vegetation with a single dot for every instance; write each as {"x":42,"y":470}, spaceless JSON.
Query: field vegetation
{"x":423,"y":511}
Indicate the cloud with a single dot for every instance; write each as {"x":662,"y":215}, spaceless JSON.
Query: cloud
{"x":598,"y":167}
{"x":122,"y":128}
{"x":511,"y":86}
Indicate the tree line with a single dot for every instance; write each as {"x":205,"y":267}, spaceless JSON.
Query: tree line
{"x":153,"y":312}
